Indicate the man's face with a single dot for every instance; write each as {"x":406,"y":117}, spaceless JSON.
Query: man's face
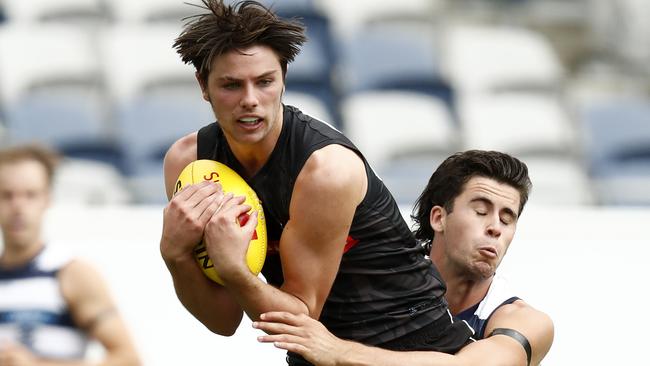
{"x":24,"y":198}
{"x":477,"y":233}
{"x":245,"y":90}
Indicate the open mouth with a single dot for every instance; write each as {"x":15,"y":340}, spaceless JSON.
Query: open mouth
{"x":250,"y":121}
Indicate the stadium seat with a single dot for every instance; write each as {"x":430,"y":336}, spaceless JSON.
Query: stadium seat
{"x":622,"y":29}
{"x":73,"y":123}
{"x":349,"y":17}
{"x":147,"y":127}
{"x":394,"y":58}
{"x":311,"y":74}
{"x":3,"y":133}
{"x":558,"y":181}
{"x":484,"y":59}
{"x":386,"y":125}
{"x":518,"y":123}
{"x":139,"y":59}
{"x":313,"y":69}
{"x":78,"y":12}
{"x":617,"y":142}
{"x":59,"y":102}
{"x":406,"y":176}
{"x":89,"y":183}
{"x":71,"y":61}
{"x":152,"y":11}
{"x":308,"y":104}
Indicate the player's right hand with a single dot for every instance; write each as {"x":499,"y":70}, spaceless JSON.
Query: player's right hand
{"x":185,"y":217}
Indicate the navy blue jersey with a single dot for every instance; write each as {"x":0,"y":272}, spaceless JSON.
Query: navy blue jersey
{"x":479,"y":315}
{"x":33,"y":311}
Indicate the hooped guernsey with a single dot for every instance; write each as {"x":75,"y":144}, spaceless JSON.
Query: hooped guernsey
{"x":385,"y":287}
{"x":33,"y":311}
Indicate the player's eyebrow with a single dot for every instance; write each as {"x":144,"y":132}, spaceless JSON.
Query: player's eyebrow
{"x":232,"y":78}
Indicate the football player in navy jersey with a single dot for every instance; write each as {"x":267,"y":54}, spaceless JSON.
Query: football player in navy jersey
{"x":466,"y":216}
{"x":51,"y":304}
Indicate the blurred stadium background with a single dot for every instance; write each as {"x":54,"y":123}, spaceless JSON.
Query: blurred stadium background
{"x":562,"y":84}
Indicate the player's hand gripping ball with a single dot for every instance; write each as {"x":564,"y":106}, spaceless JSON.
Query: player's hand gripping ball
{"x":201,"y":170}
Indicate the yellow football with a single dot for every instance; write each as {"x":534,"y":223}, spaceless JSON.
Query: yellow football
{"x":201,"y":170}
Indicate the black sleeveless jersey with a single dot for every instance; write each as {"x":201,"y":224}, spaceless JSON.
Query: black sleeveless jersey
{"x":385,"y":287}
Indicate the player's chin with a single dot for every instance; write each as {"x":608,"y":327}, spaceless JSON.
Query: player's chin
{"x":483,"y":270}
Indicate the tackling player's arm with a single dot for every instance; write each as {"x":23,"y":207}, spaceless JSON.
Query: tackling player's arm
{"x":309,"y":338}
{"x":536,"y":326}
{"x":327,"y":191}
{"x":184,"y":221}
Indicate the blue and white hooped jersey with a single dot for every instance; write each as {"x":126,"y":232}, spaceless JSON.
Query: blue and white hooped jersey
{"x":477,"y":316}
{"x":33,"y":311}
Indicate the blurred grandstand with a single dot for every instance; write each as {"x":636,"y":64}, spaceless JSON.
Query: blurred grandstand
{"x":558,"y":83}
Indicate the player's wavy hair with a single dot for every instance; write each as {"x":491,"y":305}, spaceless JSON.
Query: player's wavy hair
{"x":235,"y":27}
{"x":448,"y":181}
{"x":41,"y":154}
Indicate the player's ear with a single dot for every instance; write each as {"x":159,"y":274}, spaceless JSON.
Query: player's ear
{"x":203,"y":85}
{"x":437,"y":218}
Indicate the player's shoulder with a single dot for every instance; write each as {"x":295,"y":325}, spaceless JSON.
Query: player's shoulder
{"x":181,"y":153}
{"x":335,"y":162}
{"x":182,"y":150}
{"x":79,"y":280}
{"x":519,"y":308}
{"x":523,"y":317}
{"x":333,"y":170}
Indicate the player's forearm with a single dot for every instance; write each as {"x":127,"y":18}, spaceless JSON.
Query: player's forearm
{"x":356,"y":354}
{"x":257,"y":297}
{"x":201,"y":297}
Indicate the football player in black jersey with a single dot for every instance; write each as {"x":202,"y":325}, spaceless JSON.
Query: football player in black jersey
{"x":339,"y":250}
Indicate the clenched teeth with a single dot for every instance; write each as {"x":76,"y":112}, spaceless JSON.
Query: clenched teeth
{"x":250,"y":120}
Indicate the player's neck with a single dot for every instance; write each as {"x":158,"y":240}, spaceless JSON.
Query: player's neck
{"x":465,"y":291}
{"x":15,"y":255}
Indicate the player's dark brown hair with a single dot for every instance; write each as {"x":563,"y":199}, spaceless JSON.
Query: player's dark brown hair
{"x":448,"y":182}
{"x":47,"y":157}
{"x":235,"y":27}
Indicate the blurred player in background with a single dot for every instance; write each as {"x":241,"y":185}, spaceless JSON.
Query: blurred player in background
{"x":339,"y":249}
{"x":50,"y":303}
{"x":467,"y":216}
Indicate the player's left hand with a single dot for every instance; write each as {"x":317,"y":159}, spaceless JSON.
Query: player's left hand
{"x":16,"y":355}
{"x":302,"y":335}
{"x":226,"y":240}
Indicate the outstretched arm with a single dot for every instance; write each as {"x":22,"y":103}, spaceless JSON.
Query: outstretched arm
{"x":309,"y":338}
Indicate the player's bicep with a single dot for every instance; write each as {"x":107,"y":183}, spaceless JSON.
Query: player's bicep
{"x":535,"y":326}
{"x":94,"y":311}
{"x":493,"y":351}
{"x":87,"y":295}
{"x":323,"y":204}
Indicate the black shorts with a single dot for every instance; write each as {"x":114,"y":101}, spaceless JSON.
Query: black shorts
{"x":446,"y":335}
